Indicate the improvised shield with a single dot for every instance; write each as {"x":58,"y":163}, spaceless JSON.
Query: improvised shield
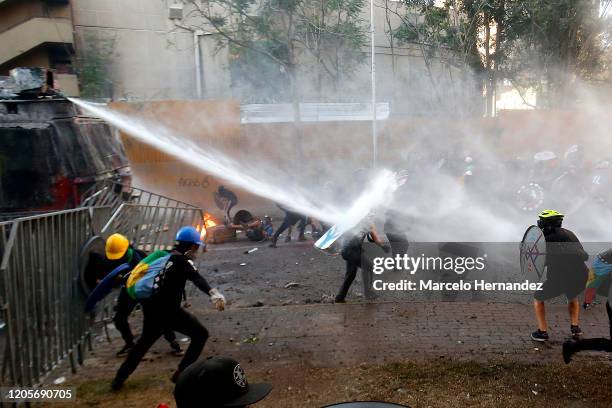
{"x":533,"y":252}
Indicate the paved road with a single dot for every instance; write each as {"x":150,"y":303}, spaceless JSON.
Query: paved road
{"x":329,"y":335}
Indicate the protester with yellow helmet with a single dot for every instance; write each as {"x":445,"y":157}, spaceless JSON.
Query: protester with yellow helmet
{"x":118,"y":251}
{"x":566,"y":272}
{"x":116,"y":246}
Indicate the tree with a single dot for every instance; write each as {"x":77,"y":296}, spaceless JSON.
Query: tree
{"x":541,"y":44}
{"x":555,"y":44}
{"x":282,"y":36}
{"x":91,"y":66}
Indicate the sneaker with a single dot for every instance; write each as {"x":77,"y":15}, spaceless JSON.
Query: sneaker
{"x":339,"y":300}
{"x":126,"y":349}
{"x":576,"y":332}
{"x":301,"y":238}
{"x":116,"y":385}
{"x":568,"y":350}
{"x":539,"y":335}
{"x":175,"y":376}
{"x":176,"y":348}
{"x":288,"y":238}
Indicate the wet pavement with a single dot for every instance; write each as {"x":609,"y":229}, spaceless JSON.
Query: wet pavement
{"x":298,"y":327}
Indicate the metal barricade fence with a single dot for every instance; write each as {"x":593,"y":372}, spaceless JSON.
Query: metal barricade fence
{"x":41,"y":306}
{"x":150,"y":227}
{"x":112,"y":194}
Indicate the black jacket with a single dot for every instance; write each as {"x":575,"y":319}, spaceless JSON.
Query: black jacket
{"x":565,"y":255}
{"x":179,"y":269}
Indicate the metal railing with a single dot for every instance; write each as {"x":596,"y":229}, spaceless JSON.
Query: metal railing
{"x":113,"y":194}
{"x":151,"y":227}
{"x":41,"y":308}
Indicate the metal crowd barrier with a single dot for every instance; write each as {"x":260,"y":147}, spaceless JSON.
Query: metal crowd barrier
{"x":42,"y":321}
{"x":151,"y":227}
{"x":42,"y":310}
{"x":112,"y":194}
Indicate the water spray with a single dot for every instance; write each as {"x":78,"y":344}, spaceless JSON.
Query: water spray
{"x":213,"y":162}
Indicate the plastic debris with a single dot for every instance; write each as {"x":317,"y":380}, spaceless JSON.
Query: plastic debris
{"x":59,"y":380}
{"x":250,"y":251}
{"x":251,"y":340}
{"x":291,"y":285}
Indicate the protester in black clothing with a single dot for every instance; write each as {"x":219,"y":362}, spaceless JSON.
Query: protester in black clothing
{"x":351,"y":253}
{"x":566,"y":272}
{"x":229,"y":200}
{"x":163,"y":312}
{"x":119,"y":251}
{"x":291,"y":218}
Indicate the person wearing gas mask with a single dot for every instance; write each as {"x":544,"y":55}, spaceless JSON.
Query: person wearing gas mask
{"x":163,"y":311}
{"x":566,"y":273}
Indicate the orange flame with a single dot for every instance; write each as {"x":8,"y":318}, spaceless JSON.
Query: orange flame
{"x":208,"y":222}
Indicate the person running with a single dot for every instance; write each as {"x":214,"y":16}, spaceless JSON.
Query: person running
{"x":291,"y":218}
{"x":163,"y":312}
{"x":119,"y":251}
{"x":566,"y":272}
{"x":600,"y":281}
{"x":351,"y":253}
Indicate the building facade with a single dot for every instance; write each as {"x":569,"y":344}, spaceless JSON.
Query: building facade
{"x":38,"y":33}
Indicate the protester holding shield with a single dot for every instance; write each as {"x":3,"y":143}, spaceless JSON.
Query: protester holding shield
{"x":351,"y":253}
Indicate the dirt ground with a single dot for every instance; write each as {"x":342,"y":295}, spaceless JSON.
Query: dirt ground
{"x":416,"y":384}
{"x":413,"y":352}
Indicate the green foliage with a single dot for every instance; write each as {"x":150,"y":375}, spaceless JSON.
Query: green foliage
{"x":544,"y":44}
{"x":272,"y":41}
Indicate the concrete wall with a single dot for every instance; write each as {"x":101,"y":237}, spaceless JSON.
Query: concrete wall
{"x":26,"y":27}
{"x":155,"y":60}
{"x":151,"y":59}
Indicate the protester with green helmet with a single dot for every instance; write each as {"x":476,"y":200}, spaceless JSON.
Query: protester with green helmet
{"x":566,"y":272}
{"x":163,"y":311}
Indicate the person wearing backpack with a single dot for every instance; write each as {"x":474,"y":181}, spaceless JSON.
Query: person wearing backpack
{"x":159,"y":288}
{"x":118,"y":251}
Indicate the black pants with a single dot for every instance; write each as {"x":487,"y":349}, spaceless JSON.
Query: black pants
{"x":289,"y":220}
{"x":156,"y":322}
{"x":124,"y":307}
{"x":349,"y":278}
{"x":597,"y":344}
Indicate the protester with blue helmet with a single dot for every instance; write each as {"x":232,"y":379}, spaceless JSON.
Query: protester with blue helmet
{"x":163,"y":310}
